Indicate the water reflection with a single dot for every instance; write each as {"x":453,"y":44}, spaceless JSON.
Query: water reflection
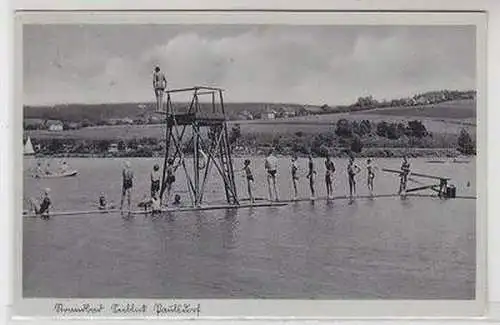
{"x":229,"y":227}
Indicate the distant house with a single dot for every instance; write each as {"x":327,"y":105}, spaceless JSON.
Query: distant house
{"x":113,"y":148}
{"x":245,"y":115}
{"x":269,"y":115}
{"x":54,"y":125}
{"x":127,"y":121}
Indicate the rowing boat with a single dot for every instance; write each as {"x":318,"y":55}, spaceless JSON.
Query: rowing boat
{"x":70,"y":173}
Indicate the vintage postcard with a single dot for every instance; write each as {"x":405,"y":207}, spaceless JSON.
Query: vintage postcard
{"x":257,"y":164}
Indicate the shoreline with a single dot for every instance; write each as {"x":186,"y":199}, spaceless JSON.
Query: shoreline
{"x":367,"y":153}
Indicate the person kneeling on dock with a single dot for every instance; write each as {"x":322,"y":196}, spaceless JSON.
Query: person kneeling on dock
{"x":271,"y":166}
{"x":41,"y":209}
{"x":250,"y":180}
{"x":153,"y":204}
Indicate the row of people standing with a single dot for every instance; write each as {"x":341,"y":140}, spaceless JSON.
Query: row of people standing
{"x":271,"y":167}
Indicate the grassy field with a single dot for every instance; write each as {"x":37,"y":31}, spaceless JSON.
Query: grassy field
{"x":444,"y":118}
{"x":457,"y":109}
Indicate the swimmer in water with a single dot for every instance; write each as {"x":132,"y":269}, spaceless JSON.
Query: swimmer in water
{"x":43,"y":208}
{"x":352,"y":170}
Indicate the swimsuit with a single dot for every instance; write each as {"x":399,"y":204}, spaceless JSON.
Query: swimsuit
{"x":44,"y":206}
{"x":330,"y":168}
{"x":127,"y":179}
{"x":294,"y":171}
{"x":248,"y":172}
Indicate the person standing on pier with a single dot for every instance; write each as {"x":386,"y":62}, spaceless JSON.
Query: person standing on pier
{"x":271,"y":166}
{"x":352,"y":170}
{"x":330,"y":169}
{"x":295,"y":177}
{"x":311,"y":175}
{"x":370,"y":168}
{"x":250,"y":180}
{"x":159,"y":86}
{"x":405,"y":173}
{"x":155,"y":180}
{"x":170,"y":177}
{"x":128,"y":182}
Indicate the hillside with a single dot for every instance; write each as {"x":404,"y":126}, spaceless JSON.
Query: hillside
{"x":99,"y":112}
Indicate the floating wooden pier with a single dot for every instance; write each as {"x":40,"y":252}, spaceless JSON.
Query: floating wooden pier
{"x":442,"y":188}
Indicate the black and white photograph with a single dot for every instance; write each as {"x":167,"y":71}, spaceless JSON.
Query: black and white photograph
{"x":249,"y":161}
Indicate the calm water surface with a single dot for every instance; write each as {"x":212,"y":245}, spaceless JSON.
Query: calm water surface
{"x":419,"y":248}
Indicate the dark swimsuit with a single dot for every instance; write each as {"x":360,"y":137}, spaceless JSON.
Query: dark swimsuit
{"x":249,"y":173}
{"x":127,"y":180}
{"x":44,"y":206}
{"x":155,"y":187}
{"x":329,"y":170}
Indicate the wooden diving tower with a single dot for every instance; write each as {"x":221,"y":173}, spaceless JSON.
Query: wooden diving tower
{"x":208,"y":149}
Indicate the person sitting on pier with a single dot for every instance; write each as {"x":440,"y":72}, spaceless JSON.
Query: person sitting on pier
{"x":155,"y":180}
{"x":250,"y":180}
{"x":405,"y":173}
{"x":159,"y":85}
{"x":330,"y":169}
{"x":128,"y":182}
{"x":271,"y":166}
{"x":295,"y":176}
{"x":370,"y":168}
{"x":41,"y":209}
{"x":64,"y":168}
{"x":311,"y":175}
{"x":352,"y":170}
{"x":170,"y":177}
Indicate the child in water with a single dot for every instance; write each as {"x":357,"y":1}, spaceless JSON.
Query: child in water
{"x":41,"y":209}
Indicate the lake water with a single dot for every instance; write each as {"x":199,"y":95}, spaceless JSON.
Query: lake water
{"x":385,"y":248}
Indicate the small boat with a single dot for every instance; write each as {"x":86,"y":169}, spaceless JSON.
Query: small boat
{"x":70,"y":173}
{"x":436,"y":161}
{"x":28,"y":148}
{"x":457,"y":161}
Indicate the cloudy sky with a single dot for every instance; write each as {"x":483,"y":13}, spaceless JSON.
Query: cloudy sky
{"x":299,"y":64}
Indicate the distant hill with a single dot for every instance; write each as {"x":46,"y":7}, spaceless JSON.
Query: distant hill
{"x":99,"y":112}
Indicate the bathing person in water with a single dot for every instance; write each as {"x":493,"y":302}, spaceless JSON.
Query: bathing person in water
{"x":330,"y":169}
{"x":311,"y":175}
{"x":352,"y":170}
{"x":159,"y":85}
{"x":250,"y":180}
{"x":38,"y":169}
{"x":41,"y":209}
{"x":177,"y":201}
{"x":103,"y":203}
{"x":128,"y":182}
{"x":295,"y":176}
{"x":271,"y":166}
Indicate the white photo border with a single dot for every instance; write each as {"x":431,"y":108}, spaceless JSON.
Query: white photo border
{"x":382,"y":309}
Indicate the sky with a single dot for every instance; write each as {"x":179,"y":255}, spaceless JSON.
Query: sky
{"x":253,"y":63}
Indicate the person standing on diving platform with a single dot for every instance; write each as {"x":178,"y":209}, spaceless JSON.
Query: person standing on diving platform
{"x":159,"y":86}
